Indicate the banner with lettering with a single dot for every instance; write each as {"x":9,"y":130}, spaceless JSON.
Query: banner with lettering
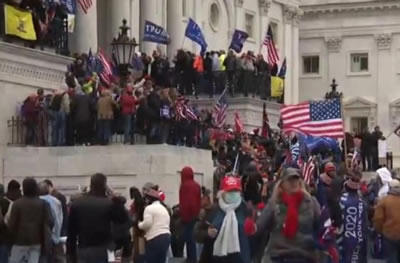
{"x":238,"y":39}
{"x":354,"y":235}
{"x":155,"y":33}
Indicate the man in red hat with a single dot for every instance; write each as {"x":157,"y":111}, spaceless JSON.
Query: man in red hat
{"x":189,"y":209}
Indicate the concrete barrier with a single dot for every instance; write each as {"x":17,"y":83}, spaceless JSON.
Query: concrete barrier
{"x":71,"y":167}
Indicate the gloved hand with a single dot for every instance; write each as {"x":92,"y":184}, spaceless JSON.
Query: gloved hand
{"x":249,"y":226}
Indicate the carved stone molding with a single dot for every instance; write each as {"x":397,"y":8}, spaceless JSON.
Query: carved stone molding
{"x":264,"y":6}
{"x":354,"y":8}
{"x":384,"y":40}
{"x":30,"y":71}
{"x":239,"y":3}
{"x":288,"y":13}
{"x":292,"y":15}
{"x":334,"y":44}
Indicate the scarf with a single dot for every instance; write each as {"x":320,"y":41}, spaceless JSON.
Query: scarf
{"x":293,"y":202}
{"x":352,"y":241}
{"x":227,"y":241}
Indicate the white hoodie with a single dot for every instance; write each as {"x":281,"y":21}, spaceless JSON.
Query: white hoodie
{"x":386,"y":178}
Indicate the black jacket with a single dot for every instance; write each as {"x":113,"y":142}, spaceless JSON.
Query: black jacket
{"x":90,"y":221}
{"x":82,"y":109}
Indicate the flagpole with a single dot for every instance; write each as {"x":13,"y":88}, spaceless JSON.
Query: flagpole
{"x":236,"y":163}
{"x":183,"y":42}
{"x":344,"y":131}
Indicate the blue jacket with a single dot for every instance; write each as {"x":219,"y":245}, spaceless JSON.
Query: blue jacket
{"x":241,"y":214}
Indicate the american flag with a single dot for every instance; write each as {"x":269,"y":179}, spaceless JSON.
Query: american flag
{"x":238,"y":123}
{"x":315,"y":118}
{"x":308,"y":170}
{"x":180,"y":108}
{"x":85,"y":5}
{"x":190,"y":114}
{"x":106,"y":74}
{"x":273,"y":55}
{"x":220,"y":110}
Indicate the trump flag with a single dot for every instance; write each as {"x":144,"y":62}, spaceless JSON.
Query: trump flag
{"x":193,"y":32}
{"x":238,"y":39}
{"x":19,"y":23}
{"x":155,"y":33}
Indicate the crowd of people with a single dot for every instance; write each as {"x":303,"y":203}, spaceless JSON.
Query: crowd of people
{"x":262,"y":208}
{"x":150,"y":101}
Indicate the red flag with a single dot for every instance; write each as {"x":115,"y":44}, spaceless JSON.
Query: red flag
{"x":265,"y":124}
{"x":238,"y":124}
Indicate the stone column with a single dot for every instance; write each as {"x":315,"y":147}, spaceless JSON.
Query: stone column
{"x":288,"y":50}
{"x":175,"y":27}
{"x":117,"y":10}
{"x":384,"y":81}
{"x":85,"y":35}
{"x":150,"y":10}
{"x":295,"y":56}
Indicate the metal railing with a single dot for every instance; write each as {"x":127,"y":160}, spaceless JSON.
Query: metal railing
{"x":56,"y":37}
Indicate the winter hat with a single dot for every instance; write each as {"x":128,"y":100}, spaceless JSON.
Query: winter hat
{"x":354,"y":181}
{"x":231,"y":183}
{"x":289,"y":173}
{"x":153,"y":193}
{"x":329,"y":167}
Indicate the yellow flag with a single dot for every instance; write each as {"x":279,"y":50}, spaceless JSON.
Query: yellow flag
{"x":276,"y":87}
{"x":19,"y":23}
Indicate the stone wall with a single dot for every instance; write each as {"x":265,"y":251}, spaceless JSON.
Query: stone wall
{"x":71,"y":167}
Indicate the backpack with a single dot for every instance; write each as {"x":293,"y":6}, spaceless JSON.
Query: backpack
{"x":56,"y":102}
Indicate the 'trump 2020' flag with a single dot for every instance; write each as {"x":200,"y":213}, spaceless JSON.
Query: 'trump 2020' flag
{"x":316,"y":118}
{"x":238,"y":39}
{"x":194,"y":33}
{"x":155,"y":33}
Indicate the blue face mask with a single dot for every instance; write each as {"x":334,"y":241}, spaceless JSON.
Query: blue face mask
{"x":232,"y":197}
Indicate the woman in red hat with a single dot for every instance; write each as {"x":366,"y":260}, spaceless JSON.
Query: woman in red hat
{"x":230,"y":226}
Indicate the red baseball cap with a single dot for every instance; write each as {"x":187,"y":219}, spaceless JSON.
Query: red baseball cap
{"x":231,"y":183}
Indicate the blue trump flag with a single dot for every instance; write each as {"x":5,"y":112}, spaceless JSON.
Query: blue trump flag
{"x":155,"y":33}
{"x":238,"y":39}
{"x":282,"y":71}
{"x":70,"y":6}
{"x":193,"y":32}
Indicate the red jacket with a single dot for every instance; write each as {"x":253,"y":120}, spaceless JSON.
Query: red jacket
{"x":128,"y":104}
{"x":189,"y":196}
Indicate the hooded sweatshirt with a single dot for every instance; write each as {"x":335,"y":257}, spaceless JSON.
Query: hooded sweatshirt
{"x":386,"y":177}
{"x":189,"y":196}
{"x":387,"y":215}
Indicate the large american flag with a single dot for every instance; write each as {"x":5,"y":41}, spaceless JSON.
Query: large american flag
{"x":315,"y":118}
{"x":220,"y":110}
{"x":85,"y":4}
{"x":273,"y":55}
{"x":106,"y":74}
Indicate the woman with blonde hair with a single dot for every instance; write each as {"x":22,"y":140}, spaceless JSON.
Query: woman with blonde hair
{"x":291,"y":218}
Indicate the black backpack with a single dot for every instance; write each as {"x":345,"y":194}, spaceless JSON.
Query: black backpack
{"x":56,"y":102}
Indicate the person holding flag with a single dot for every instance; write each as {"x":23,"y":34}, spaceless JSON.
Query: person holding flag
{"x":354,"y":235}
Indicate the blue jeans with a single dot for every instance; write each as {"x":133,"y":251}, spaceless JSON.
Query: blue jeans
{"x":392,"y":250}
{"x":103,"y":131}
{"x":128,"y":132}
{"x":191,"y":249}
{"x":59,"y":128}
{"x":25,"y":254}
{"x":157,"y":249}
{"x":4,"y":253}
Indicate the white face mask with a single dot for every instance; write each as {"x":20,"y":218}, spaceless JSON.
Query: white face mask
{"x":232,"y":197}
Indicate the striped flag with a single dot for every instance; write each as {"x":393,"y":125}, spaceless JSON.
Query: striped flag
{"x":239,"y":128}
{"x":308,"y":171}
{"x":220,"y":110}
{"x":190,"y":114}
{"x":315,"y":118}
{"x":85,"y":5}
{"x":106,"y":74}
{"x":273,"y":55}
